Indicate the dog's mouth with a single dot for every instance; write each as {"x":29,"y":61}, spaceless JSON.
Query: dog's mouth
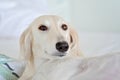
{"x":59,"y":54}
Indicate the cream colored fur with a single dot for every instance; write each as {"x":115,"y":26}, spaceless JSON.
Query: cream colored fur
{"x":37,"y":46}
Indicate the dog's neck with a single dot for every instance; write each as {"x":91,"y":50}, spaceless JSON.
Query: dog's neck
{"x":48,"y":68}
{"x":45,"y":59}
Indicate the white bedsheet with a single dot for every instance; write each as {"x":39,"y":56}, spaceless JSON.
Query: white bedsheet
{"x":106,"y":67}
{"x":98,"y":43}
{"x":9,"y":47}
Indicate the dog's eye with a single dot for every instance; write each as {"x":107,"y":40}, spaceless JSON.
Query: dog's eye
{"x":64,"y":27}
{"x":43,"y":28}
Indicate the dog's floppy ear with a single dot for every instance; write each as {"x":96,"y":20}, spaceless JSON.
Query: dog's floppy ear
{"x":74,"y":43}
{"x":26,"y":52}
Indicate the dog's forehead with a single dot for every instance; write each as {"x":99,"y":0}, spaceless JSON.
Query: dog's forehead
{"x":50,"y":20}
{"x":53,"y":22}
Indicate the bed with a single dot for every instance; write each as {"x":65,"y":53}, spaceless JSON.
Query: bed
{"x":91,"y":43}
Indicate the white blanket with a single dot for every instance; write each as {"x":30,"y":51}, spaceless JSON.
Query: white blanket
{"x":100,"y":68}
{"x":105,"y":67}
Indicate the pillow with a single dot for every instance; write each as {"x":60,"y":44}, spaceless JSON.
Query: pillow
{"x":10,"y":69}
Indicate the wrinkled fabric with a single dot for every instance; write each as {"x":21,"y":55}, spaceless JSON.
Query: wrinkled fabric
{"x":106,"y":67}
{"x":101,"y":68}
{"x":10,"y":69}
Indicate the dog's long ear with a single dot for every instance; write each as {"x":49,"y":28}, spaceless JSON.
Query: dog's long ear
{"x":26,"y":52}
{"x":74,"y":43}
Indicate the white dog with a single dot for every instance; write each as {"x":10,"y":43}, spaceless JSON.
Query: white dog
{"x":48,"y":37}
{"x":50,"y":46}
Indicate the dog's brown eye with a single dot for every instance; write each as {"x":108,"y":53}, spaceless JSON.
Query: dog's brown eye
{"x":64,"y":27}
{"x":43,"y":28}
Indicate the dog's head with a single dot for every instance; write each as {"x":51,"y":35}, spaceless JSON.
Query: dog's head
{"x":49,"y":35}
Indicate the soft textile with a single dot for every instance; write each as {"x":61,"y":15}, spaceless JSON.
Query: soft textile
{"x":10,"y":69}
{"x":16,"y":15}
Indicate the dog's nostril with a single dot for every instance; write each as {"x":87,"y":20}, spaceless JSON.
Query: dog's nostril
{"x":62,"y":46}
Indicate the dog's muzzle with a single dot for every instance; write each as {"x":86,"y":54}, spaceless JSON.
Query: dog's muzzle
{"x":62,"y":46}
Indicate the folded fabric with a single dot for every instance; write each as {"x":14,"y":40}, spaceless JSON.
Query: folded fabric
{"x":10,"y":69}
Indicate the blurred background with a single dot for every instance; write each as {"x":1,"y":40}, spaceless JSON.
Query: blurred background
{"x":89,"y":15}
{"x":96,"y":21}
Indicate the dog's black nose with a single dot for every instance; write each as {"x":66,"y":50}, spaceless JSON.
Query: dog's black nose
{"x":62,"y":46}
